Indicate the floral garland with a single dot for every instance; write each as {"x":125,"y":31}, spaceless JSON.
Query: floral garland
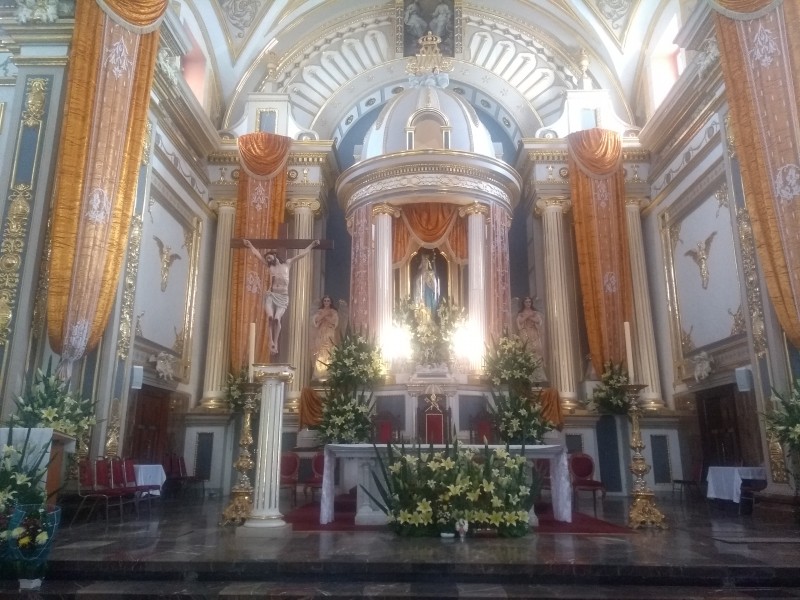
{"x":427,"y":493}
{"x":431,"y":335}
{"x":49,"y":403}
{"x":354,"y":367}
{"x":609,"y":396}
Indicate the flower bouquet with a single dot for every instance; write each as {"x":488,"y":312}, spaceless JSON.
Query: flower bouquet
{"x":22,"y":472}
{"x":50,"y":403}
{"x":609,"y":396}
{"x":431,"y":335}
{"x":234,"y":389}
{"x":509,"y":363}
{"x":428,"y":493}
{"x":784,"y":423}
{"x":354,"y":368}
{"x":519,"y":418}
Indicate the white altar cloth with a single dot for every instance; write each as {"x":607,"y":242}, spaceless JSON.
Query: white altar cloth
{"x":725,"y":483}
{"x":150,"y":475}
{"x":367,"y":513}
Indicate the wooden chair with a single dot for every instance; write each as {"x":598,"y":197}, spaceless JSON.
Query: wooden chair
{"x":581,"y":469}
{"x":290,"y":470}
{"x":317,"y":470}
{"x":104,"y":484}
{"x":747,"y":498}
{"x":692,"y":482}
{"x":87,"y":490}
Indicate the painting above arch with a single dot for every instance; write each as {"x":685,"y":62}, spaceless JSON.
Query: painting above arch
{"x":416,"y":18}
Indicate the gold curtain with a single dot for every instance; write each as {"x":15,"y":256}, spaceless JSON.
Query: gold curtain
{"x":359,"y":225}
{"x":260,"y":210}
{"x":108,"y":92}
{"x":761,"y":64}
{"x":597,"y":187}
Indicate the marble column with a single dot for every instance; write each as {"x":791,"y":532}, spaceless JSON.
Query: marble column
{"x":273,"y":379}
{"x":216,"y":368}
{"x":382,"y":215}
{"x":477,"y":273}
{"x":561,"y":334}
{"x":644,"y":341}
{"x":303,"y":211}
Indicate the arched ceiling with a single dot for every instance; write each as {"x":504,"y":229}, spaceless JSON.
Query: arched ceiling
{"x":339,"y":59}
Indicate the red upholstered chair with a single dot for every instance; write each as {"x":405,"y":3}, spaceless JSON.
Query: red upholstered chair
{"x":317,"y":470}
{"x":481,"y":428}
{"x":384,"y":428}
{"x":581,"y":469}
{"x":290,"y":470}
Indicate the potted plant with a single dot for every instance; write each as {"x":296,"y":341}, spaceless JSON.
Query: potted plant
{"x":27,"y":524}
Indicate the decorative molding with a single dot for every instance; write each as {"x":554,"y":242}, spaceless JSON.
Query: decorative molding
{"x":386,"y":209}
{"x":126,"y":332}
{"x":752,"y":287}
{"x":11,"y":252}
{"x":35,"y":100}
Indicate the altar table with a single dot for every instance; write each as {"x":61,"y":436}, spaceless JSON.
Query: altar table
{"x":368,"y":513}
{"x":150,"y":475}
{"x":725,"y":483}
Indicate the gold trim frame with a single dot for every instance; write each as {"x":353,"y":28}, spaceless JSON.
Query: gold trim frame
{"x":167,"y":283}
{"x":2,"y":112}
{"x":709,"y":281}
{"x":426,"y":10}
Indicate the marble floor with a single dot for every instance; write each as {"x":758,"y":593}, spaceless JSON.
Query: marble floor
{"x":180,"y":551}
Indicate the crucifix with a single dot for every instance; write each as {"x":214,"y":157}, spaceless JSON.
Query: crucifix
{"x":276,"y":298}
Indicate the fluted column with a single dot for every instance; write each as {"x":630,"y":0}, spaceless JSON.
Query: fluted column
{"x":303,"y":211}
{"x":644,"y":344}
{"x":476,"y":269}
{"x":382,"y":215}
{"x":560,"y":331}
{"x":270,"y":428}
{"x":216,"y":369}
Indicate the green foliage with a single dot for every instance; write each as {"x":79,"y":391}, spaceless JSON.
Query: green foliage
{"x":234,"y":389}
{"x":354,"y":368}
{"x":783,"y":422}
{"x":50,"y":403}
{"x":509,"y":363}
{"x":425,"y":493}
{"x":518,"y":417}
{"x":610,"y":397}
{"x":431,"y":335}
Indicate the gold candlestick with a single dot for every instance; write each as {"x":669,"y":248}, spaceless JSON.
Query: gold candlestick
{"x":241,"y":504}
{"x":643,"y":510}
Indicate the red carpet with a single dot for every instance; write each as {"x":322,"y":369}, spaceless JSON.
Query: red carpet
{"x":306,"y":518}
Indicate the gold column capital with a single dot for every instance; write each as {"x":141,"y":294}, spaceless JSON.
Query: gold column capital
{"x":386,"y":209}
{"x":298,"y":204}
{"x":542,"y":204}
{"x":476,"y":208}
{"x":218,"y":205}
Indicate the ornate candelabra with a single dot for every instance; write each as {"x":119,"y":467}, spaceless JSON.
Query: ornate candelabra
{"x":643,"y":510}
{"x":241,"y":504}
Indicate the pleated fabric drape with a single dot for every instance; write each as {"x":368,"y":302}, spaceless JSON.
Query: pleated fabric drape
{"x":597,"y":187}
{"x":260,"y":209}
{"x":429,"y":224}
{"x":113,"y":54}
{"x":760,"y":61}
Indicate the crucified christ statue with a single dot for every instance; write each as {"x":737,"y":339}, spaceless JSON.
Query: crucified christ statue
{"x":276,"y":298}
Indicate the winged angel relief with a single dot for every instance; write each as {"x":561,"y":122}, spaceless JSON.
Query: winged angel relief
{"x":167,"y":257}
{"x":699,"y":255}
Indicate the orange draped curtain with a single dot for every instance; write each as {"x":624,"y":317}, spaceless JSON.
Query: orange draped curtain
{"x":259,"y":213}
{"x":597,"y":187}
{"x":760,"y":61}
{"x":113,"y":55}
{"x":429,"y":223}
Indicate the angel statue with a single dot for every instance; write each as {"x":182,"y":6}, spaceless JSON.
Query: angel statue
{"x":167,"y":257}
{"x":699,"y":255}
{"x":530,"y":329}
{"x":327,"y":322}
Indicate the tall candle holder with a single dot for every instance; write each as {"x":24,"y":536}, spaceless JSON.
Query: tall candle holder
{"x":241,"y":504}
{"x":643,"y":510}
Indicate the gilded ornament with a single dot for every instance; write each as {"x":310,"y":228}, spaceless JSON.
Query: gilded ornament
{"x":166,"y":257}
{"x":699,"y":255}
{"x":129,"y":288}
{"x":34,"y":102}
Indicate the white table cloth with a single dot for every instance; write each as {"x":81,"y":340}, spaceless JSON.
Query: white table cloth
{"x":725,"y":483}
{"x":367,"y":513}
{"x":150,"y":475}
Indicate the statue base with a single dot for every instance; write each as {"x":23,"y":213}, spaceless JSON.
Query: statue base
{"x":643,"y":512}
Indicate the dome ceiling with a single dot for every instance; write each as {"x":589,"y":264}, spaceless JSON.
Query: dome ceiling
{"x":340,"y":59}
